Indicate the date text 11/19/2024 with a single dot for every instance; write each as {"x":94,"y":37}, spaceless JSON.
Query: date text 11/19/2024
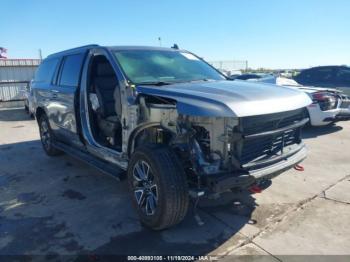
{"x":173,"y":258}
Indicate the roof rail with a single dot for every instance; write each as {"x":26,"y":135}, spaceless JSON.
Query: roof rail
{"x":74,"y":49}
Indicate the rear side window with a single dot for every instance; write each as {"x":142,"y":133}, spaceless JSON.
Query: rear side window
{"x":71,"y":70}
{"x":323,"y":75}
{"x":343,"y":76}
{"x":303,"y":77}
{"x":46,"y":70}
{"x":315,"y":76}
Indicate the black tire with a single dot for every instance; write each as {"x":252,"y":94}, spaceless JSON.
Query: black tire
{"x":26,"y":109}
{"x":46,"y":137}
{"x":167,"y":177}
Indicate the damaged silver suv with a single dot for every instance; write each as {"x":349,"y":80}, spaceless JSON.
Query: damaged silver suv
{"x":176,"y":125}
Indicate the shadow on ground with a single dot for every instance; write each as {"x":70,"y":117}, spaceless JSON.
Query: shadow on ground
{"x":315,"y":131}
{"x":56,"y":206}
{"x":16,"y":114}
{"x":200,"y":233}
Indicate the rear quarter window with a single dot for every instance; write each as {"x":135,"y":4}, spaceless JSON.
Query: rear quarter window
{"x":46,"y":70}
{"x":315,"y":76}
{"x":303,"y":77}
{"x":343,"y":76}
{"x":323,"y":75}
{"x":70,"y":72}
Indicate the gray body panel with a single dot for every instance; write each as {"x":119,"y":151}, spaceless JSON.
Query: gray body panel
{"x":229,"y":98}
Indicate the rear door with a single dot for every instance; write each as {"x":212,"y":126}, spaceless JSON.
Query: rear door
{"x":65,"y":99}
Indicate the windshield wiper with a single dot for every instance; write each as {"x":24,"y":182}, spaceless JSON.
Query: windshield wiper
{"x":155,"y":83}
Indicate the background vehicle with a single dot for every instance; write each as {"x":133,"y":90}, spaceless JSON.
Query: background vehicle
{"x":326,"y":76}
{"x":329,"y":104}
{"x":251,"y":76}
{"x":171,"y":120}
{"x":230,"y":73}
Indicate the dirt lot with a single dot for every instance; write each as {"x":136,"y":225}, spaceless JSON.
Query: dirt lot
{"x":59,"y":205}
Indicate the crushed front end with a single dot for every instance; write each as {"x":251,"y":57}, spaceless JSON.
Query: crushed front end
{"x":235,"y":153}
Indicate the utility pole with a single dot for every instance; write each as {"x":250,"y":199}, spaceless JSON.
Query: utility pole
{"x":40,"y":55}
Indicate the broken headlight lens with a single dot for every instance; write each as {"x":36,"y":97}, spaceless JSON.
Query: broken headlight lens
{"x":326,"y":100}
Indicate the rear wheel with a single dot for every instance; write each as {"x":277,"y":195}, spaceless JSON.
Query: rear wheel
{"x":46,"y":137}
{"x":158,"y":186}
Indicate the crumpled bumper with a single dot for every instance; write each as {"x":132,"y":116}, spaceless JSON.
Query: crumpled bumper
{"x":321,"y":118}
{"x":344,"y":114}
{"x":278,"y":168}
{"x":224,"y":182}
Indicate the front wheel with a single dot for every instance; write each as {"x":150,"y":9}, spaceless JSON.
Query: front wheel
{"x":158,"y":186}
{"x":46,"y":137}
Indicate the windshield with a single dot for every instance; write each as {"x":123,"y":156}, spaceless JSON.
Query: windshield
{"x":164,"y":66}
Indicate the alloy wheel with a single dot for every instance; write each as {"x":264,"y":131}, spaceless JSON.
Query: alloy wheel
{"x":145,"y":188}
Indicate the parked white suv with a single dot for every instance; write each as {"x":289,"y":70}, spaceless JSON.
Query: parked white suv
{"x":329,"y":104}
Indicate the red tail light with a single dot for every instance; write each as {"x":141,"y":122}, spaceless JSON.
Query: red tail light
{"x":326,"y":100}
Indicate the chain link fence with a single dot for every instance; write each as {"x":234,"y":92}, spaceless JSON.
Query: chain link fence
{"x":230,"y":66}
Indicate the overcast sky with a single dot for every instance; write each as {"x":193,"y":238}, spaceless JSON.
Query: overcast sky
{"x":267,"y":33}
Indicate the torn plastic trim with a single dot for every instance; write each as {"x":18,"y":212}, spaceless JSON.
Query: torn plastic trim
{"x":188,"y":105}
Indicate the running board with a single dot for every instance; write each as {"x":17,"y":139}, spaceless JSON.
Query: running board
{"x":103,"y":166}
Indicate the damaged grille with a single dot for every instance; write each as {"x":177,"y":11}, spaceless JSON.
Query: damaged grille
{"x":259,"y":141}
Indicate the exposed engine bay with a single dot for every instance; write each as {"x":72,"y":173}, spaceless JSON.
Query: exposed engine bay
{"x":213,"y":147}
